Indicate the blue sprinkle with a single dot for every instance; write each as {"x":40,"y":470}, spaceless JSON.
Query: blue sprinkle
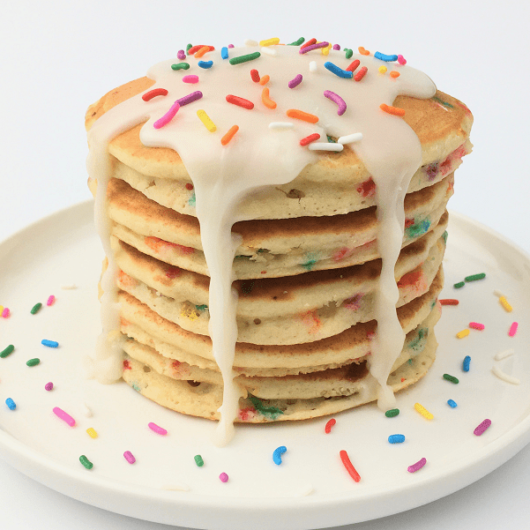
{"x":466,"y":363}
{"x":277,"y":455}
{"x":396,"y":438}
{"x":224,"y":52}
{"x":50,"y":343}
{"x":452,"y":404}
{"x":387,"y":58}
{"x":12,"y":405}
{"x":205,"y":64}
{"x":338,"y":71}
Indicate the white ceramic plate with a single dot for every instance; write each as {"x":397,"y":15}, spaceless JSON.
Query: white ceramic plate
{"x":63,"y":249}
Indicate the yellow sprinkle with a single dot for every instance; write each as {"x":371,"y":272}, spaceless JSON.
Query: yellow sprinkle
{"x":462,"y":334}
{"x":382,"y":69}
{"x":269,"y":42}
{"x":325,"y":51}
{"x":505,"y":304}
{"x":208,"y":123}
{"x":92,"y":433}
{"x":189,"y":312}
{"x":423,"y":411}
{"x":1,"y":309}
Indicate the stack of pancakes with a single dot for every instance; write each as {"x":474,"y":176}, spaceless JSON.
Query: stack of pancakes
{"x":306,"y":272}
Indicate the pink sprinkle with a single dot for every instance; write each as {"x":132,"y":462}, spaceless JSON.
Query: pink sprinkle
{"x":64,"y":416}
{"x":48,"y":386}
{"x":401,"y":59}
{"x":168,"y":116}
{"x":6,"y":312}
{"x":314,"y":47}
{"x":482,"y":427}
{"x":336,"y":46}
{"x":157,"y":429}
{"x":513,"y":329}
{"x":181,"y":54}
{"x":476,"y":325}
{"x":417,"y":466}
{"x":230,"y":45}
{"x":190,"y":79}
{"x":295,"y":81}
{"x":129,"y":457}
{"x":223,"y":477}
{"x":51,"y":300}
{"x":338,"y":100}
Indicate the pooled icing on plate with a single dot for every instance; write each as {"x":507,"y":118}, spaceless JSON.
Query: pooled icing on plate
{"x":309,"y":91}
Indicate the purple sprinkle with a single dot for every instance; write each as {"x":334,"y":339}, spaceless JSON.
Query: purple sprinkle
{"x":48,"y":386}
{"x":223,"y":477}
{"x":482,"y":427}
{"x":181,"y":54}
{"x":336,"y":46}
{"x":314,"y":47}
{"x":129,"y":457}
{"x":230,"y":45}
{"x":417,"y":466}
{"x":190,"y":98}
{"x":296,"y":81}
{"x":338,"y":100}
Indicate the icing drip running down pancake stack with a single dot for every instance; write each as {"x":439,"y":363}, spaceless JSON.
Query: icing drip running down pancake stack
{"x":274,"y":223}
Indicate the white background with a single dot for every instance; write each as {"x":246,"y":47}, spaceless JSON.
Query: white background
{"x":58,"y":57}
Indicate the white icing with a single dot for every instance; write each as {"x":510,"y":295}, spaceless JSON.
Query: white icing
{"x":262,"y":154}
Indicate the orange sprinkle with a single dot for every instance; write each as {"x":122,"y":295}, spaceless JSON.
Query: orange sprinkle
{"x":304,"y":116}
{"x":362,"y":51}
{"x":392,"y":110}
{"x":264,"y":80}
{"x":308,"y":43}
{"x":267,"y":101}
{"x":394,"y":74}
{"x":202,"y":51}
{"x":230,"y":134}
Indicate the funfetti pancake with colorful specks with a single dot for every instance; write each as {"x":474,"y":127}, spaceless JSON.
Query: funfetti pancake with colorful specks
{"x":317,"y":181}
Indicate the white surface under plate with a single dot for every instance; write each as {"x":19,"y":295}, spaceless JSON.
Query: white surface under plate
{"x":310,"y":489}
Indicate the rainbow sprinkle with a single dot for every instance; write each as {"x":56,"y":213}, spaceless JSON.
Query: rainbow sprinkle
{"x":396,"y":438}
{"x":254,"y":75}
{"x":48,"y":386}
{"x":306,"y":49}
{"x":129,"y":457}
{"x":417,"y":466}
{"x":51,"y":300}
{"x":11,"y":404}
{"x":244,"y":58}
{"x":392,"y":413}
{"x":308,"y":139}
{"x":338,"y":100}
{"x":329,"y":425}
{"x":198,"y":460}
{"x":190,"y":79}
{"x":205,"y":64}
{"x":300,"y":115}
{"x":451,"y":379}
{"x":61,"y":414}
{"x":462,"y":334}
{"x":360,"y":74}
{"x":349,"y":466}
{"x":180,"y":66}
{"x":277,"y":454}
{"x":36,"y":308}
{"x":223,"y":477}
{"x":297,"y":79}
{"x":479,"y":431}
{"x":207,"y":122}
{"x":452,"y":403}
{"x":155,"y":428}
{"x":384,"y":57}
{"x":423,"y":411}
{"x":229,"y":135}
{"x":181,"y":54}
{"x":350,"y":138}
{"x":505,"y":304}
{"x":269,"y":42}
{"x":7,"y":351}
{"x":49,"y":343}
{"x":148,"y":96}
{"x":476,"y":325}
{"x":334,"y":69}
{"x":92,"y":433}
{"x":513,"y":329}
{"x":224,"y":52}
{"x":33,"y":362}
{"x":240,"y":102}
{"x":475,"y":277}
{"x":86,"y":462}
{"x":466,"y":363}
{"x":190,"y":98}
{"x":168,"y":116}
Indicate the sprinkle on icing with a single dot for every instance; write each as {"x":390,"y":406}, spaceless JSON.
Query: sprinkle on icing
{"x":244,"y":58}
{"x":168,"y":116}
{"x":295,"y":81}
{"x":240,"y":102}
{"x":207,"y":122}
{"x":229,"y":135}
{"x":341,"y":104}
{"x":154,"y":93}
{"x":267,"y":101}
{"x":333,"y":68}
{"x":360,"y":74}
{"x":384,"y":57}
{"x":300,"y":115}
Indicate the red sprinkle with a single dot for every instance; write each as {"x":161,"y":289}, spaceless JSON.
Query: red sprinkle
{"x":360,"y":74}
{"x":310,"y":42}
{"x":329,"y":424}
{"x":353,"y":66}
{"x":153,"y":93}
{"x":240,"y":102}
{"x":308,"y":139}
{"x":449,"y":301}
{"x":255,"y":75}
{"x":349,"y":466}
{"x":189,"y":186}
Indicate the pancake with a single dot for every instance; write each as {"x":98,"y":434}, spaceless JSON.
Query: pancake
{"x":259,"y":277}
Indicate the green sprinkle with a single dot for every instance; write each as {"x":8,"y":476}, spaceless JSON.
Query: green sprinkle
{"x":451,"y":378}
{"x":410,"y":361}
{"x":8,"y":351}
{"x":36,"y":308}
{"x":331,"y":140}
{"x":475,"y":277}
{"x":201,"y":307}
{"x":86,"y":462}
{"x":192,"y":201}
{"x":272,"y":412}
{"x":244,"y":58}
{"x":418,"y":228}
{"x":444,"y":103}
{"x":444,"y":235}
{"x":135,"y":386}
{"x":459,"y":285}
{"x":33,"y":362}
{"x":180,"y":66}
{"x":392,"y":413}
{"x":298,"y":42}
{"x":349,"y":53}
{"x":188,"y":48}
{"x":198,"y":460}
